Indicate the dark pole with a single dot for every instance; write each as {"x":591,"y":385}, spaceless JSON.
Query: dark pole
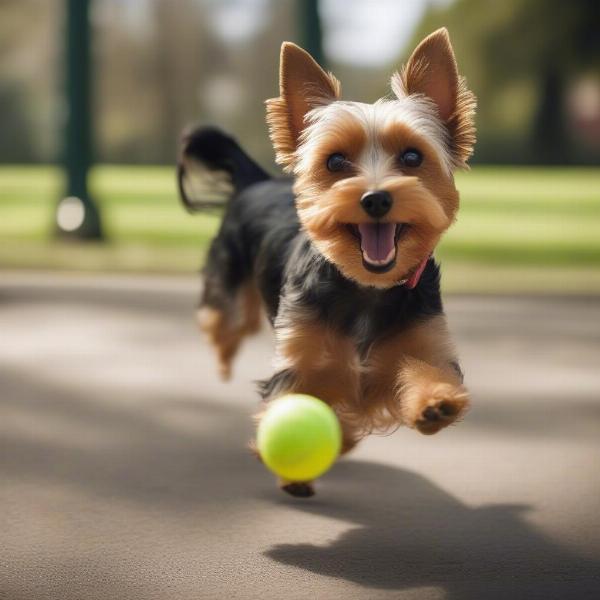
{"x":311,"y":33}
{"x":77,"y":215}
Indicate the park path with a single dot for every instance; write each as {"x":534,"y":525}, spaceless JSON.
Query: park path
{"x":124,"y":473}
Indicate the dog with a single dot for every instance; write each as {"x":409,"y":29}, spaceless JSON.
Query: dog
{"x":340,"y":255}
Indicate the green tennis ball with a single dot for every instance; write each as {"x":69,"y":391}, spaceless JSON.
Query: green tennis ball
{"x":299,"y":437}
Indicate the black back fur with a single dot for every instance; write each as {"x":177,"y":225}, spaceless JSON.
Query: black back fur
{"x":260,"y":238}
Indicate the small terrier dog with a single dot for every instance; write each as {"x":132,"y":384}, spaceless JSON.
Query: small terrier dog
{"x":340,"y":255}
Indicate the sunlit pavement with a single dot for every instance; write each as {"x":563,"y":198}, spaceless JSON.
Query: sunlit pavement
{"x":124,"y":472}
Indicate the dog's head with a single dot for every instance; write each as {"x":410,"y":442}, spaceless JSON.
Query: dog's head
{"x":374,"y":182}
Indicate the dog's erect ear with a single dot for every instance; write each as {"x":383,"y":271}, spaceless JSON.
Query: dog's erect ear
{"x":303,"y":85}
{"x":431,"y":71}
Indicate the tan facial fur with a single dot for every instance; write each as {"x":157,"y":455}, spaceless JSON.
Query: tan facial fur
{"x":432,"y":112}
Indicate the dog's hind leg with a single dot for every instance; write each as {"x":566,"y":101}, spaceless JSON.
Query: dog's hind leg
{"x":226,"y":325}
{"x":230,"y":304}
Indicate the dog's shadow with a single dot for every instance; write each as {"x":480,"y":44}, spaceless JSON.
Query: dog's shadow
{"x":409,"y":533}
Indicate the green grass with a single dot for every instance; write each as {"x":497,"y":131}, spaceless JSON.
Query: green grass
{"x":518,"y":228}
{"x":538,"y":217}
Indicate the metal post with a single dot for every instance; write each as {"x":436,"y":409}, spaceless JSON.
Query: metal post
{"x":311,"y":33}
{"x":77,"y":215}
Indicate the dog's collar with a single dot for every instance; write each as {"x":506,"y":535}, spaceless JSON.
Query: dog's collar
{"x":412,"y":282}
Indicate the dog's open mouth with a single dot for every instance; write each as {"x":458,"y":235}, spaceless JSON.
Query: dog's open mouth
{"x":378,"y":244}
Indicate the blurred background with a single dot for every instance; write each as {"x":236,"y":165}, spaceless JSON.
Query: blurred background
{"x":124,"y":471}
{"x":142,"y":70}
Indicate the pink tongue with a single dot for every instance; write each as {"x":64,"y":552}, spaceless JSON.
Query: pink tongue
{"x":377,"y":239}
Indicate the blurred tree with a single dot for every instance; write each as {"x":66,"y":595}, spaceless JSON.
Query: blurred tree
{"x":77,"y":214}
{"x":17,"y":143}
{"x":520,"y":56}
{"x":29,"y":55}
{"x":311,"y":32}
{"x":186,"y":54}
{"x":176,"y":68}
{"x":148,"y":69}
{"x":549,"y":40}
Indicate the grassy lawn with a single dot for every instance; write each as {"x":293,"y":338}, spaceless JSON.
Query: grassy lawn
{"x":519,"y":229}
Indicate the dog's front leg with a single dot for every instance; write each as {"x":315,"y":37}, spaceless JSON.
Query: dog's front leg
{"x":431,"y":397}
{"x":415,"y":373}
{"x":312,"y":358}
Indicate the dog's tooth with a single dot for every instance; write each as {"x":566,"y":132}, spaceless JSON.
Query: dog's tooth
{"x":381,"y":262}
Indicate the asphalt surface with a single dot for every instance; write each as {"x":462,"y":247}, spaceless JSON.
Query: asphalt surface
{"x":124,"y":473}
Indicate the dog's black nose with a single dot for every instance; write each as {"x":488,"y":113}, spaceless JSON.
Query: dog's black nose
{"x":376,"y":204}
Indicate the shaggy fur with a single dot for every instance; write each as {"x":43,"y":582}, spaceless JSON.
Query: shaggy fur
{"x":353,"y":294}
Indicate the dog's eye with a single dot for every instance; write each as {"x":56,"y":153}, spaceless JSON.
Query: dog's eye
{"x":411,"y":158}
{"x":337,"y":162}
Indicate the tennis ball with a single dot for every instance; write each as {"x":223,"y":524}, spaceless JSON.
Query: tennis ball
{"x":299,"y":437}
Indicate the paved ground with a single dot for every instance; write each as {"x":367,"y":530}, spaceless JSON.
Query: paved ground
{"x":124,"y":475}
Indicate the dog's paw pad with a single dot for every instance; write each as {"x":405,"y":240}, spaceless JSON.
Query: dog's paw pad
{"x":299,"y":489}
{"x":441,"y":412}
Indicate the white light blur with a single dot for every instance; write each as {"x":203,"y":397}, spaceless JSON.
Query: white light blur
{"x":369,"y":33}
{"x":70,"y":213}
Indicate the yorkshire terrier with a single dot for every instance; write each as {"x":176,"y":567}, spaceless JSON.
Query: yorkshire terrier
{"x":340,"y":255}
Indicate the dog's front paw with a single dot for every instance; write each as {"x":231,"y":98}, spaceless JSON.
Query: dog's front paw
{"x":435,"y":406}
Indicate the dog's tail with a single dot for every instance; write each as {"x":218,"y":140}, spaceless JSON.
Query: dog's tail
{"x":212,"y":168}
